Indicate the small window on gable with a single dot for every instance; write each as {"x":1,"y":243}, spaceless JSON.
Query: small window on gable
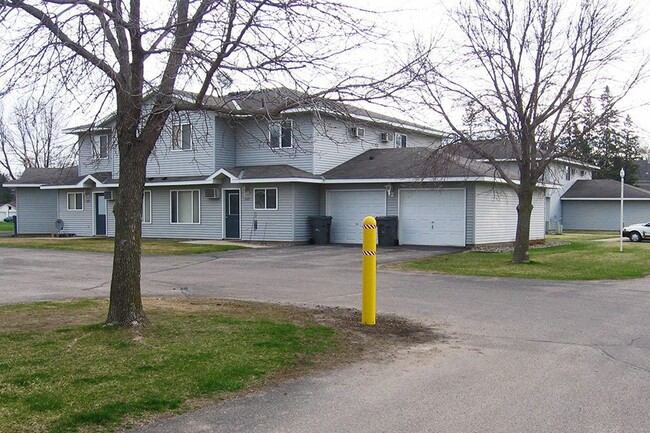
{"x":75,"y":201}
{"x":582,"y":173}
{"x":400,"y":140}
{"x":281,"y":134}
{"x":266,"y":198}
{"x":182,"y":137}
{"x":100,"y":147}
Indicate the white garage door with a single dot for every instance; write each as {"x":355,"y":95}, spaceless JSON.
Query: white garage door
{"x":349,"y":208}
{"x":432,"y":217}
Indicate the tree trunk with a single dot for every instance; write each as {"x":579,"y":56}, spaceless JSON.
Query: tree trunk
{"x":524,"y":212}
{"x":125,"y":308}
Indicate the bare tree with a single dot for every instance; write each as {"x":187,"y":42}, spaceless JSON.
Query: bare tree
{"x":523,"y":69}
{"x":31,"y":136}
{"x":141,"y":54}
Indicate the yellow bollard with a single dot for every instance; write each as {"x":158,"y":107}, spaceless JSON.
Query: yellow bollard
{"x":369,"y":272}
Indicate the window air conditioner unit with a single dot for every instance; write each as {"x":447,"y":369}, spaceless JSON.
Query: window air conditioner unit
{"x":109,"y":195}
{"x":357,"y":132}
{"x":387,"y":137}
{"x":212,"y":193}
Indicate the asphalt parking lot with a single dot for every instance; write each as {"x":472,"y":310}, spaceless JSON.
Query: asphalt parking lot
{"x":519,"y":355}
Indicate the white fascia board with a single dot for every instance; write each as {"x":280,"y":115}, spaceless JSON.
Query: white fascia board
{"x":22,"y":185}
{"x":219,"y":172}
{"x":617,"y":199}
{"x":279,"y":180}
{"x":78,"y":185}
{"x":395,"y":123}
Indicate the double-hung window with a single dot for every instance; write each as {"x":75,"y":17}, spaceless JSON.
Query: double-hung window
{"x":185,"y":207}
{"x":146,"y":207}
{"x":265,"y":198}
{"x":400,"y":140}
{"x":182,"y":137}
{"x":101,"y":147}
{"x":281,"y":134}
{"x":75,"y":201}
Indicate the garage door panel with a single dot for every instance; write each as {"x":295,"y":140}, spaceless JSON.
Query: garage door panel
{"x":432,"y":217}
{"x":349,"y":208}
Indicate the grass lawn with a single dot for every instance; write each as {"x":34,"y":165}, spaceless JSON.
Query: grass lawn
{"x":584,"y":258}
{"x":62,"y":371}
{"x":103,"y":245}
{"x":6,"y":227}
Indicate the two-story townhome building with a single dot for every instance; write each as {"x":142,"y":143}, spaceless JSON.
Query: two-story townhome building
{"x":257,"y":177}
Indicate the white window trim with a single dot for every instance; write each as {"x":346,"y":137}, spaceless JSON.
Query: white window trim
{"x":277,"y":200}
{"x":99,"y":146}
{"x":280,"y":123}
{"x":144,"y":195}
{"x":400,"y":135}
{"x":180,"y":128}
{"x":170,"y":205}
{"x":67,"y":198}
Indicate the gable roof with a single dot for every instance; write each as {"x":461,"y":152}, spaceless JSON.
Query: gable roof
{"x":270,"y":103}
{"x":604,"y":189}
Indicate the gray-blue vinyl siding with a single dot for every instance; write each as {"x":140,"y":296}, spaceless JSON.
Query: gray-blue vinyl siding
{"x":305,"y":204}
{"x":38,"y":211}
{"x":78,"y":222}
{"x":253,"y":147}
{"x":225,"y":154}
{"x":334,"y":144}
{"x":286,"y":223}
{"x":602,"y":215}
{"x":88,"y":160}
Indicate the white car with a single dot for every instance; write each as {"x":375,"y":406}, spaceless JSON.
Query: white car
{"x":637,"y":232}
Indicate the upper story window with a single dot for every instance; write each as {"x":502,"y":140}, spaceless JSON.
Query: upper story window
{"x":75,"y":201}
{"x":100,"y":147}
{"x":266,"y":198}
{"x":400,"y":140}
{"x":281,"y":134}
{"x":182,"y":137}
{"x":568,"y":173}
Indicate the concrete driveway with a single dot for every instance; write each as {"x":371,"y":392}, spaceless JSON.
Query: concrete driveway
{"x":521,"y":355}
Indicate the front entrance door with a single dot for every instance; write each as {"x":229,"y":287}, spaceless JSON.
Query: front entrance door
{"x":100,"y":215}
{"x":232,"y":214}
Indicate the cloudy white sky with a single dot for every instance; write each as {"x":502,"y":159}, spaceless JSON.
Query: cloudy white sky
{"x":431,"y":19}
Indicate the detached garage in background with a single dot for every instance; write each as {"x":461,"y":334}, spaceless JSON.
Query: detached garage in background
{"x":596,"y":205}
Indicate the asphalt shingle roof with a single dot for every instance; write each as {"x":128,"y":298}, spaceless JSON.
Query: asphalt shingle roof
{"x":408,"y":163}
{"x":55,"y":176}
{"x":270,"y":172}
{"x":604,"y":189}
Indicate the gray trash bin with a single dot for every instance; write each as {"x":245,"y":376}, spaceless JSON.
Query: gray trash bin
{"x":320,"y":229}
{"x":387,"y":231}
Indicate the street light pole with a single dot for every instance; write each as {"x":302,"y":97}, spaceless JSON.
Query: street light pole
{"x":622,"y":173}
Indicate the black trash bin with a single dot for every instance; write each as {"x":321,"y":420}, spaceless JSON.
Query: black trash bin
{"x":320,"y":229}
{"x":387,"y":231}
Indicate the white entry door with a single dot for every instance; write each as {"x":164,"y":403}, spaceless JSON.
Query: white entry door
{"x":349,"y":208}
{"x":432,"y":217}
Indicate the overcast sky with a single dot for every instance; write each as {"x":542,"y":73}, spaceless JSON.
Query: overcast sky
{"x":431,"y":18}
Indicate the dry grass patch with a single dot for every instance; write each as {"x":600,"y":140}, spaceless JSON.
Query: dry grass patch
{"x":105,"y":245}
{"x":62,"y":371}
